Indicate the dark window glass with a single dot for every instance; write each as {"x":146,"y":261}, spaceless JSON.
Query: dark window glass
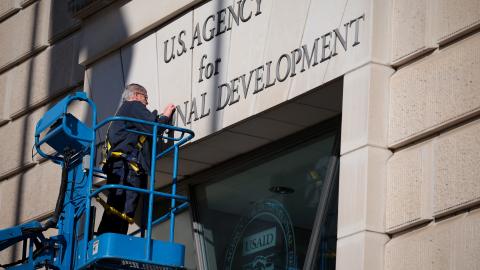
{"x":327,"y":246}
{"x":261,"y":216}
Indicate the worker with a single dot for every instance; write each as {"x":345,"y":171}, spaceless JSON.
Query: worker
{"x":128,"y":157}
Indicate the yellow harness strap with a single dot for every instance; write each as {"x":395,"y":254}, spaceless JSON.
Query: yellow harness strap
{"x":105,"y":149}
{"x":141,"y":141}
{"x":117,"y":154}
{"x":110,"y":209}
{"x":133,"y":165}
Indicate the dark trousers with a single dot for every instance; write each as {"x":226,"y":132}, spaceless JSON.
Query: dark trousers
{"x":125,"y":201}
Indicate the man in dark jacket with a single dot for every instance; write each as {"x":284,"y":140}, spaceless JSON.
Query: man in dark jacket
{"x":128,"y":157}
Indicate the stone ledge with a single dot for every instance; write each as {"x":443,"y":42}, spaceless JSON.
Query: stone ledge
{"x":409,"y":187}
{"x":457,"y":174}
{"x":410,"y":30}
{"x":26,"y":40}
{"x":449,"y":244}
{"x":26,"y":3}
{"x":61,"y":21}
{"x":433,"y":179}
{"x":25,"y":191}
{"x":8,"y":8}
{"x":418,"y":27}
{"x":42,"y":77}
{"x":410,"y":251}
{"x":454,"y":19}
{"x":19,"y":135}
{"x":435,"y":93}
{"x":44,"y":101}
{"x":418,"y":53}
{"x":12,"y":172}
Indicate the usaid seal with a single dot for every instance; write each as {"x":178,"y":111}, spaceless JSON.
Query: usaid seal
{"x":264,"y":239}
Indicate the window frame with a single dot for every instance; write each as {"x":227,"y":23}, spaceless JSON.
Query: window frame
{"x":269,"y":152}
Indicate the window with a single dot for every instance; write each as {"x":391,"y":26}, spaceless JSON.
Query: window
{"x":262,"y":213}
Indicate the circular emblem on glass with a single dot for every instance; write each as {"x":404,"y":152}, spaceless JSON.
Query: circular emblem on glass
{"x":263,"y":240}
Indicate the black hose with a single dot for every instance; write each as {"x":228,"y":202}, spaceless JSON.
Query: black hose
{"x":52,"y":221}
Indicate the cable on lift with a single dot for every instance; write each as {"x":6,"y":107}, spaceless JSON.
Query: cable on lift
{"x":52,"y":221}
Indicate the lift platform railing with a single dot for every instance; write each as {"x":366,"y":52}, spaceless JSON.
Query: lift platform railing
{"x":65,"y":132}
{"x":184,"y":136}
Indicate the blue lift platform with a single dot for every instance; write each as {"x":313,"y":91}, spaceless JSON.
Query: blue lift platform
{"x":72,"y":145}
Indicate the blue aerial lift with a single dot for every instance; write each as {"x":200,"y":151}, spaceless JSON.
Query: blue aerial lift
{"x":73,"y":147}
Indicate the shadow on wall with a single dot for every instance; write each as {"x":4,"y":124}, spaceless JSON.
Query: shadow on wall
{"x":216,"y":121}
{"x":106,"y":78}
{"x":104,"y":82}
{"x":62,"y":75}
{"x":25,"y":138}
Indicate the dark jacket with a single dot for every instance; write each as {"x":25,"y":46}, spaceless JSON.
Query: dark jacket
{"x":124,"y":141}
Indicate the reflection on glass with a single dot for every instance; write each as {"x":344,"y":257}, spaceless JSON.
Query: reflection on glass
{"x":326,"y":256}
{"x":262,"y":239}
{"x":261,"y":217}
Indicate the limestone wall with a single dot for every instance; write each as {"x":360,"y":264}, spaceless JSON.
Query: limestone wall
{"x":38,"y":65}
{"x":409,"y":176}
{"x":40,"y":44}
{"x":433,"y":177}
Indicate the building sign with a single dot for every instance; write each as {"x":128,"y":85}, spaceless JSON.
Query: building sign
{"x":213,"y":26}
{"x":232,"y":90}
{"x":264,"y":239}
{"x":259,"y":241}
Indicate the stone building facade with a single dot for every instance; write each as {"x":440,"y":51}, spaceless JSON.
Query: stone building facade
{"x":276,"y":91}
